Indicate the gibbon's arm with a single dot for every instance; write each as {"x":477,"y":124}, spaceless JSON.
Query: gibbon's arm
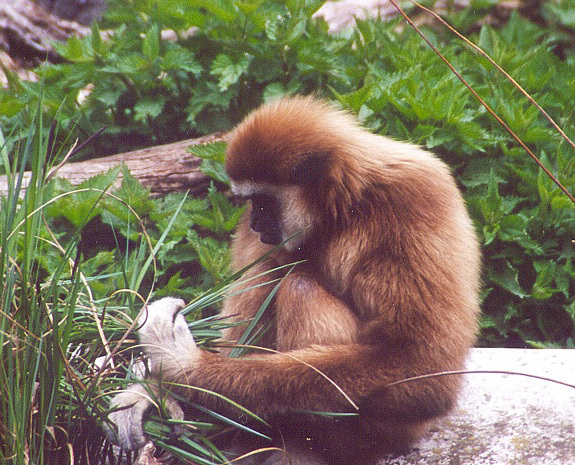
{"x":314,"y":379}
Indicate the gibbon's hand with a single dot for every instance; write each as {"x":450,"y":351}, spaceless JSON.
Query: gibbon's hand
{"x":165,"y":336}
{"x":167,"y":341}
{"x":131,"y":406}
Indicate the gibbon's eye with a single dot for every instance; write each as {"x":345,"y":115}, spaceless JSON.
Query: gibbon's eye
{"x":265,"y":218}
{"x":310,"y":169}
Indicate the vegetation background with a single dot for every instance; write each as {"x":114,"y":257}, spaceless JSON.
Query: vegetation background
{"x":77,"y":261}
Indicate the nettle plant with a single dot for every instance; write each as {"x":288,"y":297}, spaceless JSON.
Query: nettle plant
{"x":165,"y":71}
{"x":155,"y":72}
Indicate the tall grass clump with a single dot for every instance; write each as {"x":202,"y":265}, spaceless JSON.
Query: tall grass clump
{"x":35,"y":319}
{"x":68,"y":304}
{"x":48,"y":335}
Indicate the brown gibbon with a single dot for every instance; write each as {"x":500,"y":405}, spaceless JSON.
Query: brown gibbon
{"x":385,"y":288}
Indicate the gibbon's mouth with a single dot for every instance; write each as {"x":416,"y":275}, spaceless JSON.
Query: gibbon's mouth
{"x":271,"y":237}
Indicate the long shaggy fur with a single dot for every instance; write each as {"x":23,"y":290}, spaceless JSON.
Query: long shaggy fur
{"x":388,"y":290}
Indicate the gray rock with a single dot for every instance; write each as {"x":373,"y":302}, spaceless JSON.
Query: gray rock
{"x":507,"y":419}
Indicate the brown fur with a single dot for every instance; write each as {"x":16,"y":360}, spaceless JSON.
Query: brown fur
{"x":389,"y":289}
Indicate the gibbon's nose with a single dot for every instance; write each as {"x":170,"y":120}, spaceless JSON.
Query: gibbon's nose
{"x":256,"y":224}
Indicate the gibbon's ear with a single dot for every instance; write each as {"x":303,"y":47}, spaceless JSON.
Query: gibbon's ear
{"x":311,"y":168}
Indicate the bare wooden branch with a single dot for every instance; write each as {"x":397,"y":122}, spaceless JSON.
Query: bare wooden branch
{"x":163,"y":169}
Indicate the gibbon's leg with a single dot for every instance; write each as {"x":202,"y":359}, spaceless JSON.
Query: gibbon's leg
{"x":308,"y":314}
{"x":245,"y":299}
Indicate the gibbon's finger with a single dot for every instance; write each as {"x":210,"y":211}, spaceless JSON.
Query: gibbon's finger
{"x":163,"y":308}
{"x":126,"y":428}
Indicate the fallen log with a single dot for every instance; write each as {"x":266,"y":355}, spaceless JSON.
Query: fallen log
{"x":163,"y":168}
{"x":27,"y":36}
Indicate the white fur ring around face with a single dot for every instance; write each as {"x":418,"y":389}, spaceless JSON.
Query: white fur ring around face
{"x":164,"y":333}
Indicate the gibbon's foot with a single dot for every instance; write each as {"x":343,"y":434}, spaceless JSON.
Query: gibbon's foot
{"x":131,"y":406}
{"x":164,"y":334}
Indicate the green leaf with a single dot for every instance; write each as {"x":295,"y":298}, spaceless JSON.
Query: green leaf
{"x":96,"y":39}
{"x":213,"y":254}
{"x":224,"y":10}
{"x":544,"y":188}
{"x":215,"y":151}
{"x":551,"y":279}
{"x":83,"y":202}
{"x":513,"y":228}
{"x":151,"y":44}
{"x":228,"y":71}
{"x":213,"y":155}
{"x":276,"y":90}
{"x":562,"y":12}
{"x":149,"y":107}
{"x":272,"y":28}
{"x":136,"y":196}
{"x":355,"y":100}
{"x":491,"y":205}
{"x":296,"y":30}
{"x":178,"y":57}
{"x":75,"y":50}
{"x":223,"y":216}
{"x":507,"y":277}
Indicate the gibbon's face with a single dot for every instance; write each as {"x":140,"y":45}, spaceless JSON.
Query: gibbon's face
{"x":277,"y":214}
{"x":280,"y":157}
{"x":265,"y":218}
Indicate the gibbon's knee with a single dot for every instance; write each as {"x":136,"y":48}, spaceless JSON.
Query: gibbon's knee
{"x":306,"y":314}
{"x":412,"y":402}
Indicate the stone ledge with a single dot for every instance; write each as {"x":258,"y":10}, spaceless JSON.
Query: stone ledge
{"x":505,"y":419}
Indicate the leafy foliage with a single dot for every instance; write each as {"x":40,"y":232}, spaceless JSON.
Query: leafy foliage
{"x":179,"y":68}
{"x":524,"y":220}
{"x":218,"y":60}
{"x":193,"y":255}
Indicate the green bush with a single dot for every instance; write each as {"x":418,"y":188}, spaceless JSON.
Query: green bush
{"x":224,"y":58}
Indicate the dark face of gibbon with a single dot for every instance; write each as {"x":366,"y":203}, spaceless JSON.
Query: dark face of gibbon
{"x":265,"y":218}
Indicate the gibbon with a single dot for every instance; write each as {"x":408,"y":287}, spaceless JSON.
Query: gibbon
{"x":385,"y":288}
